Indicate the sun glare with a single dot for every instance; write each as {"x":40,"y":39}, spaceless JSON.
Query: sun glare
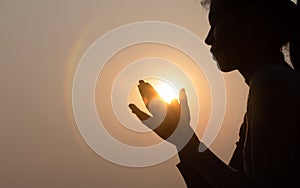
{"x":164,"y":89}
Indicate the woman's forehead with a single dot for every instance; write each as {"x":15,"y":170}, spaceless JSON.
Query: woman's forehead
{"x":216,"y":10}
{"x":219,"y":9}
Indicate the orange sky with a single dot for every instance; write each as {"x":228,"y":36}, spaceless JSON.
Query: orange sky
{"x":41,"y":44}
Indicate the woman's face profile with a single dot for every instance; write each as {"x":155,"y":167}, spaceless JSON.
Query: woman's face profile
{"x":228,"y":35}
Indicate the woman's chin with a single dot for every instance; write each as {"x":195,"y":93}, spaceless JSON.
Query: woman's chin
{"x":225,"y":69}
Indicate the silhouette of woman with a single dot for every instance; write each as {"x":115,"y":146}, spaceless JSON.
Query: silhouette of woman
{"x":247,"y":36}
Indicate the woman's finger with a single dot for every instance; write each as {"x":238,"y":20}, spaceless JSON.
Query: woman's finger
{"x":147,"y":120}
{"x":147,"y":92}
{"x":185,"y":111}
{"x":139,"y":113}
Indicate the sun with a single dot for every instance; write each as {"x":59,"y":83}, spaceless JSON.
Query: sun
{"x":165,"y":89}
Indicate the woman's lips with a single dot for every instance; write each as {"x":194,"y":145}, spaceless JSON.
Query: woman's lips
{"x":213,"y":52}
{"x":214,"y":58}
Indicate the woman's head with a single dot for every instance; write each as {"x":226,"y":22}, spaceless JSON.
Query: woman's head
{"x":246,"y":30}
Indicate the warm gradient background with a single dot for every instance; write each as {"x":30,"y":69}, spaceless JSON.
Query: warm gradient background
{"x":41,"y":43}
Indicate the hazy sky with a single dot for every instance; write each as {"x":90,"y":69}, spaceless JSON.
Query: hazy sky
{"x":41,"y":44}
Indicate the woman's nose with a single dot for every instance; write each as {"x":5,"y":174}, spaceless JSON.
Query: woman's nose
{"x":209,"y":38}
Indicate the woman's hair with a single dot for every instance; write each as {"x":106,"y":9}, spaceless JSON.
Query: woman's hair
{"x":295,"y":39}
{"x":283,"y":17}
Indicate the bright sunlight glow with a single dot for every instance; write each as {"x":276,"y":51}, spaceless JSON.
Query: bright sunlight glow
{"x":164,"y":89}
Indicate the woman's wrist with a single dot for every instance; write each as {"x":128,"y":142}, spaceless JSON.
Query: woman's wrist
{"x":190,"y":149}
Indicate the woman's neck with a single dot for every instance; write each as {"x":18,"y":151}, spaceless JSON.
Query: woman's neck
{"x":252,"y":64}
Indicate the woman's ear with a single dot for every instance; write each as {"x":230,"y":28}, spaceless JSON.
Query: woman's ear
{"x":257,"y":26}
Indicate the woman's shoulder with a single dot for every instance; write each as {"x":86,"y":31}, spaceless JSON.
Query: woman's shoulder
{"x":273,"y":82}
{"x":276,"y":76}
{"x":274,"y":86}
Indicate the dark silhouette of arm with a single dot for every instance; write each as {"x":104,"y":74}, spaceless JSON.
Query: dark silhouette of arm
{"x":206,"y":165}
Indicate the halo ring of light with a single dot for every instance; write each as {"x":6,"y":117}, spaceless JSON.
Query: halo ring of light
{"x":85,"y":78}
